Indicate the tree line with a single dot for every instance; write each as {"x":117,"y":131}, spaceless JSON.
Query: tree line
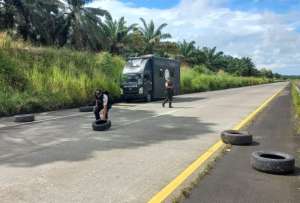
{"x":70,"y":23}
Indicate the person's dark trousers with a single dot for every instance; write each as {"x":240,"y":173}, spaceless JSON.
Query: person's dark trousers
{"x":169,"y":99}
{"x":97,"y":113}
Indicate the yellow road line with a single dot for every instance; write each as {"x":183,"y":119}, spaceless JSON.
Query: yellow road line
{"x":175,"y":183}
{"x":252,"y":115}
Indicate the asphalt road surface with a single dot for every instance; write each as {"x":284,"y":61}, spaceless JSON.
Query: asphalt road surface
{"x":233,"y":179}
{"x":63,"y":160}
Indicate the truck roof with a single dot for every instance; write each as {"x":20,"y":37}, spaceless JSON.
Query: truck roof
{"x":152,"y":56}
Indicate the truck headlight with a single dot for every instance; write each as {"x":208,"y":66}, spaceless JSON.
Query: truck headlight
{"x":141,"y":90}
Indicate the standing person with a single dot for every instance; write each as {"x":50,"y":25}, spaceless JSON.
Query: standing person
{"x":169,"y":93}
{"x":102,"y":105}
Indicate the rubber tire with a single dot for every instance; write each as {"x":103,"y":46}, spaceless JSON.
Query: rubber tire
{"x":86,"y":108}
{"x":102,"y":126}
{"x":24,"y":118}
{"x":149,"y":97}
{"x":235,"y":137}
{"x":274,"y":166}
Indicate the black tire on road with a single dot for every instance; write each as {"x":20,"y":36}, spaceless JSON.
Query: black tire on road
{"x":24,"y":118}
{"x":101,"y":126}
{"x":273,"y":162}
{"x":86,"y":108}
{"x":235,"y":137}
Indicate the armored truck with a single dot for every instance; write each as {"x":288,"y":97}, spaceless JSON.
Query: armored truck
{"x":144,"y":77}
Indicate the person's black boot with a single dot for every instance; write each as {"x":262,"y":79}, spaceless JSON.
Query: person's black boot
{"x":163,"y":105}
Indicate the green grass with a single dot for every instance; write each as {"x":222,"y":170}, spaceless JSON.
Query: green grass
{"x":48,"y":79}
{"x":296,"y":99}
{"x":194,"y":81}
{"x":37,"y":79}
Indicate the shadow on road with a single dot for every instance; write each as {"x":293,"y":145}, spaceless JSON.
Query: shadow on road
{"x":72,"y":139}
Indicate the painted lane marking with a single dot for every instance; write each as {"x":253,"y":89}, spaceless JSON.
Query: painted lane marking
{"x":175,"y":183}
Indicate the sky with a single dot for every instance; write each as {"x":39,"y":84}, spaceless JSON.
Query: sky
{"x":268,"y":31}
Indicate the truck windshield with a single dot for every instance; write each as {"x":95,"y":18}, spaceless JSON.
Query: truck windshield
{"x":131,"y":77}
{"x":133,"y":63}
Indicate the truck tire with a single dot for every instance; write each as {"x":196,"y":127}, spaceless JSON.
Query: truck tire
{"x":235,"y":137}
{"x":86,"y":108}
{"x":24,"y":118}
{"x":149,"y":97}
{"x":101,"y":126}
{"x":273,"y":162}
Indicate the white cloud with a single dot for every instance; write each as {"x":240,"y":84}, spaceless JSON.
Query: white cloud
{"x":269,"y":38}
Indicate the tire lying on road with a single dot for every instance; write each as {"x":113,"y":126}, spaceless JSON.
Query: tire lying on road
{"x":101,"y":126}
{"x":86,"y":108}
{"x":24,"y":118}
{"x":235,"y":137}
{"x":273,"y":162}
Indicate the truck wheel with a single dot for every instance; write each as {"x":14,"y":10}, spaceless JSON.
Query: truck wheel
{"x":149,"y":97}
{"x":101,"y":126}
{"x":86,"y":108}
{"x":24,"y":118}
{"x":235,"y":137}
{"x":273,"y":162}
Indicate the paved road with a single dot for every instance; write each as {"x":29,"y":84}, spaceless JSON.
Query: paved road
{"x":233,"y":180}
{"x":63,"y":160}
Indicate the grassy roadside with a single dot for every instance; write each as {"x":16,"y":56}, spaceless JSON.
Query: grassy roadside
{"x":35,"y":79}
{"x":296,"y":101}
{"x":195,"y":81}
{"x":47,"y":79}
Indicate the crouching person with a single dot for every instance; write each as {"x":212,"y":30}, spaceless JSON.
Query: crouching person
{"x":102,"y":106}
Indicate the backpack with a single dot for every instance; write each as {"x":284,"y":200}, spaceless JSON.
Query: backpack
{"x":109,"y":98}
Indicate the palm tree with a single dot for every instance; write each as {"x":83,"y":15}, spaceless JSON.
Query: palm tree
{"x":186,"y":50}
{"x":151,"y":35}
{"x":81,"y":25}
{"x":247,"y":67}
{"x":32,"y":19}
{"x":116,"y":33}
{"x":211,"y":58}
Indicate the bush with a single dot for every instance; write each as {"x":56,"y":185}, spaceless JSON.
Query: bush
{"x":41,"y":79}
{"x":296,"y":98}
{"x":194,"y":81}
{"x":35,"y":80}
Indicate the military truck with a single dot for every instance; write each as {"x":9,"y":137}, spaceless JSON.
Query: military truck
{"x":144,"y":77}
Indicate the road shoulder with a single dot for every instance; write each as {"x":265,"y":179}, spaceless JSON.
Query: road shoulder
{"x":233,"y":179}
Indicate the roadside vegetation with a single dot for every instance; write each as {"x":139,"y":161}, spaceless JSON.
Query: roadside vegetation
{"x":200,"y":79}
{"x":38,"y":79}
{"x":54,"y":54}
{"x":296,"y":101}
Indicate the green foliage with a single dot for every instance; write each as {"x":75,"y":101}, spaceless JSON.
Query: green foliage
{"x":296,"y":98}
{"x":187,"y":51}
{"x":151,"y":35}
{"x":50,"y":79}
{"x":116,"y":33}
{"x":266,"y":73}
{"x":296,"y":102}
{"x":194,"y":81}
{"x":202,"y":69}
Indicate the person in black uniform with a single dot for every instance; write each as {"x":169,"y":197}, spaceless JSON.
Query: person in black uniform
{"x":101,"y":105}
{"x":169,"y":93}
